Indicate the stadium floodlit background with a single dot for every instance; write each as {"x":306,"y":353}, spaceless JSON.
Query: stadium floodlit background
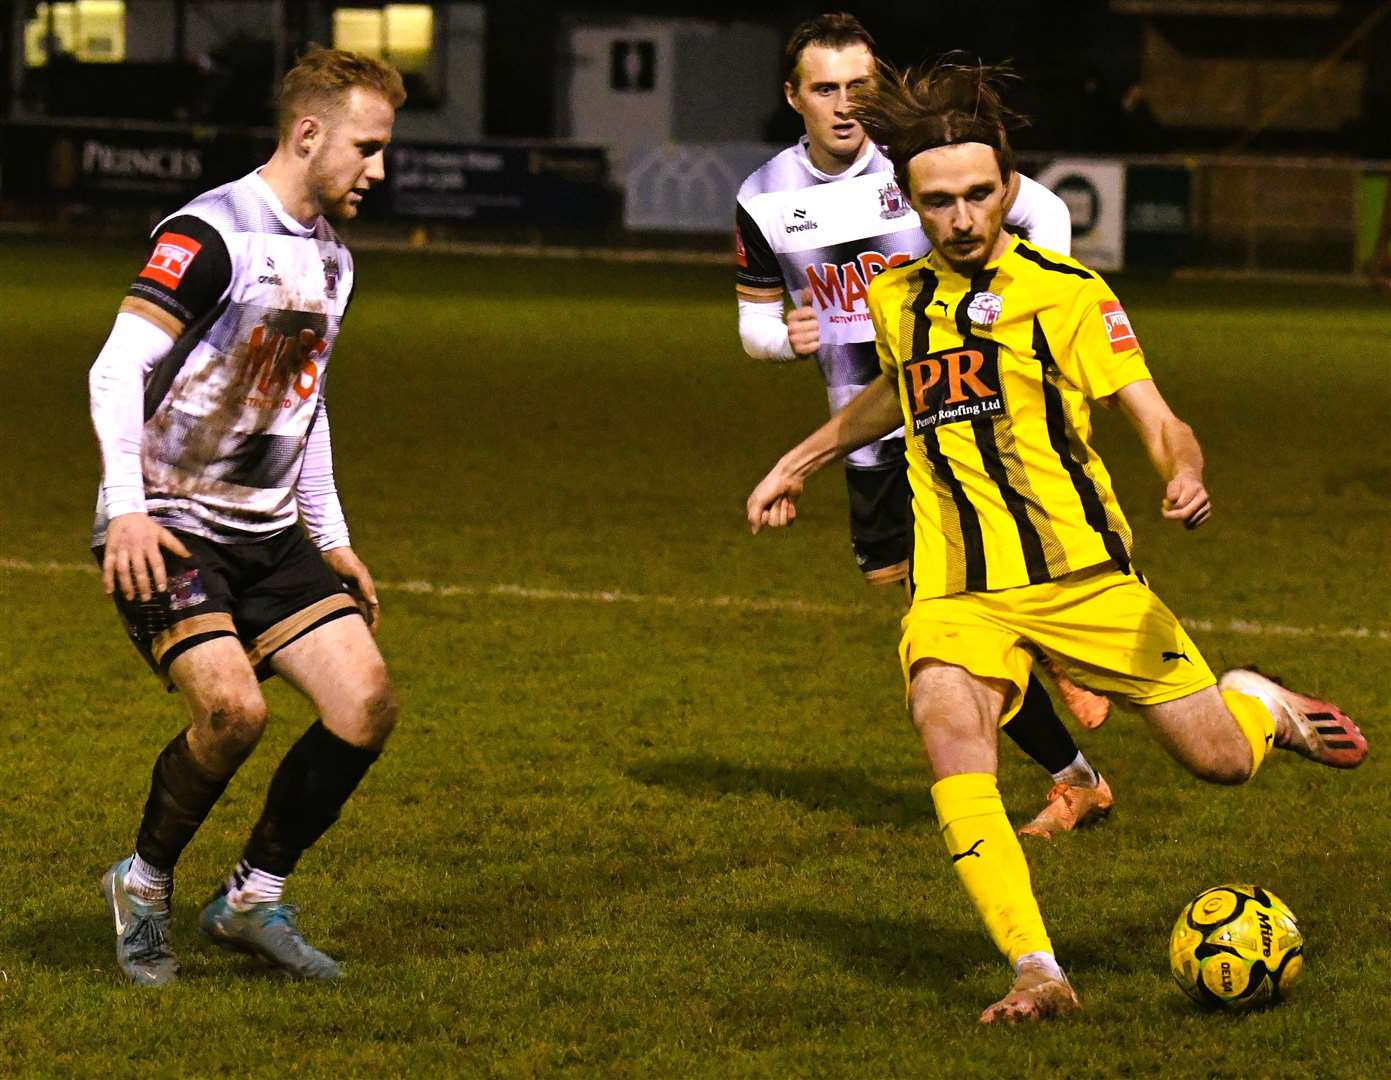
{"x":654,"y":807}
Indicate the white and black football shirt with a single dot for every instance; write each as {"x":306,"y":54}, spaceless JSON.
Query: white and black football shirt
{"x":255,"y":300}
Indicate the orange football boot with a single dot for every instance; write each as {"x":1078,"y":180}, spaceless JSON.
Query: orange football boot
{"x":1035,"y":995}
{"x":1090,"y":709}
{"x":1070,"y":807}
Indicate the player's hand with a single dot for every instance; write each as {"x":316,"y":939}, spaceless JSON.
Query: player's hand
{"x":343,"y":562}
{"x":133,"y":559}
{"x":773,"y":504}
{"x":1186,"y":500}
{"x":803,"y":327}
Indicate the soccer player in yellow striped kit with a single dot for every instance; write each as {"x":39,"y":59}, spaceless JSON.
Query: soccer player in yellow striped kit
{"x":991,"y":350}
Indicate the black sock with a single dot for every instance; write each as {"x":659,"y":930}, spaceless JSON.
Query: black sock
{"x":306,"y":794}
{"x":1037,"y":730}
{"x":182,"y":794}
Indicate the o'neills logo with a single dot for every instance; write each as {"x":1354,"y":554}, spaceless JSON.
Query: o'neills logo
{"x":953,"y":386}
{"x":799,"y":222}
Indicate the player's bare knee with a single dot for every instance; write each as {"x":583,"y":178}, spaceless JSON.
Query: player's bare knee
{"x":375,"y":707}
{"x":1229,"y":764}
{"x":236,"y":720}
{"x":382,"y":711}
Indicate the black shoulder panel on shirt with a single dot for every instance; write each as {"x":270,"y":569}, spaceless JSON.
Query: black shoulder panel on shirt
{"x":1038,"y":259}
{"x":758,"y":266}
{"x":187,"y":270}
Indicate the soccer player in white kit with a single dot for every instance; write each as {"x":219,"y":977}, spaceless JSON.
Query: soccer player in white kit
{"x":818,"y":222}
{"x":208,"y":404}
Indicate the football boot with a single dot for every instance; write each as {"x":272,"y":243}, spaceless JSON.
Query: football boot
{"x":1317,"y":730}
{"x":1070,"y":807}
{"x":142,"y":931}
{"x":1090,"y":709}
{"x":270,"y":932}
{"x":1037,"y":994}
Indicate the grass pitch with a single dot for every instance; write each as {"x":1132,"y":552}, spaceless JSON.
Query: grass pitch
{"x":683,"y":829}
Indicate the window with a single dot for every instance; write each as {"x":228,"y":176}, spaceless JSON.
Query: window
{"x":93,"y":31}
{"x":403,"y":34}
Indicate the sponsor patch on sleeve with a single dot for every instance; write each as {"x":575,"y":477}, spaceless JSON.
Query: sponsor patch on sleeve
{"x":170,"y":259}
{"x":1118,"y":329}
{"x":740,"y":255}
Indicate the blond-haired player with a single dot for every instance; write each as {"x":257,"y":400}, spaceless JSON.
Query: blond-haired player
{"x":208,"y":404}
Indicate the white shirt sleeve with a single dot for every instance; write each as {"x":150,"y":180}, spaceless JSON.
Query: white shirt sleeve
{"x":1043,"y":215}
{"x":116,"y":385}
{"x":763,"y":331}
{"x":316,"y":491}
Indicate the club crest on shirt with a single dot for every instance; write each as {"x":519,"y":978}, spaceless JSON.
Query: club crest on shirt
{"x":331,"y":277}
{"x":186,"y":591}
{"x":891,"y":201}
{"x":984,"y":309}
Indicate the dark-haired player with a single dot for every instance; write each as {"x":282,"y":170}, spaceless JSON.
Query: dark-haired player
{"x":991,"y":351}
{"x":208,"y":403}
{"x":819,"y":222}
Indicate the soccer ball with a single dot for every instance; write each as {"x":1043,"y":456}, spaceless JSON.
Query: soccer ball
{"x":1236,"y":946}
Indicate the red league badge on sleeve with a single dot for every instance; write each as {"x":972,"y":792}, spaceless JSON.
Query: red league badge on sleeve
{"x":1118,"y":329}
{"x":170,"y":259}
{"x":740,"y":255}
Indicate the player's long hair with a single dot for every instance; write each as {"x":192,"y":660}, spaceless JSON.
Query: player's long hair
{"x":921,"y":108}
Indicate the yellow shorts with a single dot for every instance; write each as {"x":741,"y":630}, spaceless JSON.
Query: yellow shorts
{"x":1105,"y":629}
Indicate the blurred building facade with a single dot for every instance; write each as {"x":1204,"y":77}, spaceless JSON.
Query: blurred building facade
{"x":1239,"y":133}
{"x":1303,"y":76}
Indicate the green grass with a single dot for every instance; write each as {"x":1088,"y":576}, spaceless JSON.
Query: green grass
{"x":650,"y":837}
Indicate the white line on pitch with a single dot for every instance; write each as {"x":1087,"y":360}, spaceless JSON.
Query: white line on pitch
{"x":1244,"y":627}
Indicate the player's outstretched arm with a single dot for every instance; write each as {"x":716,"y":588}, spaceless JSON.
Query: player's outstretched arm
{"x":871,"y":415}
{"x":1173,"y":450}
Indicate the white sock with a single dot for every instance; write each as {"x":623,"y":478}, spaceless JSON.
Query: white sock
{"x":1044,"y":960}
{"x":148,"y":883}
{"x":247,"y":886}
{"x":1078,"y":774}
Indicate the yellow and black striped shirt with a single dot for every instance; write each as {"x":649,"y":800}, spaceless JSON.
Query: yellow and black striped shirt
{"x":995,"y":373}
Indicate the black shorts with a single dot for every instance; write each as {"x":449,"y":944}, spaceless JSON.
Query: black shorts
{"x":266,"y":594}
{"x":881,"y":521}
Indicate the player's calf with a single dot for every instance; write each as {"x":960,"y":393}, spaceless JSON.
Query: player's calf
{"x":1207,"y":738}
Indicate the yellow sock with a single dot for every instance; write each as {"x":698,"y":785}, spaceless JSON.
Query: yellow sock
{"x":1255,"y":722}
{"x":990,"y":862}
